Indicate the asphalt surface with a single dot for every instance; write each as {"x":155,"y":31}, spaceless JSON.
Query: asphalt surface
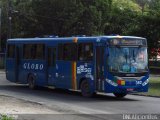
{"x":73,"y":106}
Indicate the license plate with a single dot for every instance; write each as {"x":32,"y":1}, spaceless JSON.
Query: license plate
{"x":130,"y":89}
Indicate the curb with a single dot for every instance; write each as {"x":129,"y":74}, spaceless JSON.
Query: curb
{"x":146,"y":95}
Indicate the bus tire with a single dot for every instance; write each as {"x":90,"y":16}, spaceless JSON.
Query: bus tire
{"x":31,"y":82}
{"x":86,"y":89}
{"x":120,"y":95}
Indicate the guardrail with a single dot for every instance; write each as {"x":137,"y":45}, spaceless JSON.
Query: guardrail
{"x":2,"y":60}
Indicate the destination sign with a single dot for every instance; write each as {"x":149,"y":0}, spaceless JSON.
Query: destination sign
{"x":119,"y":41}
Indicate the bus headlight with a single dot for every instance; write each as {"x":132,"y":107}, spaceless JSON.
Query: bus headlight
{"x":111,"y":82}
{"x":145,"y":82}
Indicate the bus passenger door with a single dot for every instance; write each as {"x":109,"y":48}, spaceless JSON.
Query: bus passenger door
{"x":51,"y":60}
{"x":100,"y":68}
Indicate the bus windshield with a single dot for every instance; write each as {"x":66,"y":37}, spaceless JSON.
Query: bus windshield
{"x":127,"y":59}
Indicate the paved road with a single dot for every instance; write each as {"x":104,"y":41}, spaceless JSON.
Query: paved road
{"x":68,"y":102}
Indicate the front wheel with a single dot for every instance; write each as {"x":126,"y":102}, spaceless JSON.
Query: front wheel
{"x":120,"y":95}
{"x":86,"y":89}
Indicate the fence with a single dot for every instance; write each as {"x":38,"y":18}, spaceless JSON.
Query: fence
{"x":2,"y":60}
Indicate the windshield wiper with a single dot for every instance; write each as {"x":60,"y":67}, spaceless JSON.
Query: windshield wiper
{"x":139,"y":46}
{"x":118,"y":46}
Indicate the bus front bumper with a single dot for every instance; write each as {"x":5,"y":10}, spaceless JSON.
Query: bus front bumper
{"x":115,"y":88}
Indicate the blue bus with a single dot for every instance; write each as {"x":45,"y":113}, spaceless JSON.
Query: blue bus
{"x":107,"y":64}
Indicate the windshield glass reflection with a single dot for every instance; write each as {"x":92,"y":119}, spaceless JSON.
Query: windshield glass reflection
{"x":127,"y":59}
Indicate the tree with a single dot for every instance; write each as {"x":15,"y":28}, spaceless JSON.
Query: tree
{"x":4,"y":22}
{"x":122,"y":17}
{"x":36,"y":18}
{"x":148,"y":27}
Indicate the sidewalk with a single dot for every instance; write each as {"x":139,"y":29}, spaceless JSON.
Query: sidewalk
{"x":11,"y":105}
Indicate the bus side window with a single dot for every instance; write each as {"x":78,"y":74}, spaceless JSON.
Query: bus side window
{"x":60,"y":51}
{"x":54,"y":56}
{"x":11,"y":51}
{"x":74,"y":52}
{"x":70,"y":51}
{"x":27,"y":53}
{"x":85,"y":51}
{"x":51,"y":57}
{"x":34,"y":51}
{"x":67,"y":52}
{"x":40,"y":51}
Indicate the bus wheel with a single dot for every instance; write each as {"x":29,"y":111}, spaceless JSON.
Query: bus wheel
{"x":120,"y":95}
{"x":85,"y":89}
{"x":31,"y":82}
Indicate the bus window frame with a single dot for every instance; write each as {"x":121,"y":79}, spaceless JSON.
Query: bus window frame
{"x":88,"y":60}
{"x":61,"y":56}
{"x":53,"y":57}
{"x":35,"y":56}
{"x":13,"y":56}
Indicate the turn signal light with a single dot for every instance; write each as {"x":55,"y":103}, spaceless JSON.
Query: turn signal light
{"x":120,"y":82}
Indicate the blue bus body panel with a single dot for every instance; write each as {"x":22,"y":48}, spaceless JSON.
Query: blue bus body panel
{"x":63,"y":79}
{"x":52,"y":76}
{"x":36,"y":67}
{"x":85,"y":70}
{"x":129,"y":87}
{"x":10,"y":70}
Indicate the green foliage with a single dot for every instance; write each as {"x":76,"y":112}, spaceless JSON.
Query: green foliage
{"x":147,"y":25}
{"x":34,"y":18}
{"x":3,"y":6}
{"x":122,"y":17}
{"x":154,"y":89}
{"x":5,"y":117}
{"x":59,"y":17}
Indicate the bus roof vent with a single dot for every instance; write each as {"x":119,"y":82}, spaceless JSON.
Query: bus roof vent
{"x":79,"y":36}
{"x":50,"y":36}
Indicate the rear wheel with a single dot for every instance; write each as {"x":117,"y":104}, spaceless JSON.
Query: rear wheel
{"x":120,"y":95}
{"x":86,"y":89}
{"x":31,"y":82}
